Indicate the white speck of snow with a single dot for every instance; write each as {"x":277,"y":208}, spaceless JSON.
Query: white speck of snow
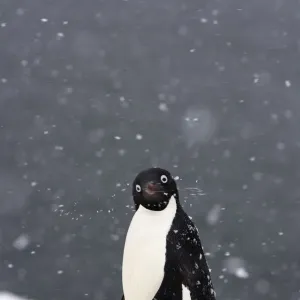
{"x":3,"y":80}
{"x":274,"y":117}
{"x":203,"y":20}
{"x":117,"y":137}
{"x":139,"y":137}
{"x":10,"y":266}
{"x":263,"y":287}
{"x":44,"y":20}
{"x":59,"y":148}
{"x":176,"y":178}
{"x":24,"y":63}
{"x":60,"y":272}
{"x":115,"y":237}
{"x":163,"y":107}
{"x":68,"y":90}
{"x":33,"y":183}
{"x":65,"y":22}
{"x":252,"y":158}
{"x":257,"y":176}
{"x":236,"y":266}
{"x":183,"y":30}
{"x":60,"y":35}
{"x":262,"y":78}
{"x":245,"y":187}
{"x":280,"y":146}
{"x":287,"y":83}
{"x":161,"y":96}
{"x":215,"y":12}
{"x":21,"y":242}
{"x":192,"y":50}
{"x":214,"y":215}
{"x":121,"y":152}
{"x":227,"y":153}
{"x":99,"y":172}
{"x":241,"y":273}
{"x":3,"y":25}
{"x":280,"y":233}
{"x":288,"y":114}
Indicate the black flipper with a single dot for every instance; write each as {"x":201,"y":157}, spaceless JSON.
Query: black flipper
{"x":192,"y":262}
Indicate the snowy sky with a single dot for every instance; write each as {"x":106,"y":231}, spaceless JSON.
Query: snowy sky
{"x":91,"y":92}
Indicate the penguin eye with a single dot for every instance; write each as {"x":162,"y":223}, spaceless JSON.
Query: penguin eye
{"x":164,"y":178}
{"x":138,"y":188}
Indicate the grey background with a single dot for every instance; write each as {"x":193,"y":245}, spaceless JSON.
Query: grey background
{"x":91,"y":92}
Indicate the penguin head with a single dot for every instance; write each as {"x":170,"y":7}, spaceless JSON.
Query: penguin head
{"x":153,"y":189}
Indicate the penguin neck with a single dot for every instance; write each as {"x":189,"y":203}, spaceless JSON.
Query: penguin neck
{"x":170,"y":208}
{"x":175,"y":197}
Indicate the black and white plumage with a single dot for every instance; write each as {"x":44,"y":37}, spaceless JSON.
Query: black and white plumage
{"x":163,"y":258}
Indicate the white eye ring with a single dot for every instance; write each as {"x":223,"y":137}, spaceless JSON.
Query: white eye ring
{"x":164,"y":178}
{"x":138,"y":188}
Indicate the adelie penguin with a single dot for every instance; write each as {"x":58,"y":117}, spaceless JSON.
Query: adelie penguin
{"x":163,"y":258}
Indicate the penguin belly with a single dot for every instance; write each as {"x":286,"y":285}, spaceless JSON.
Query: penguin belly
{"x":144,"y":255}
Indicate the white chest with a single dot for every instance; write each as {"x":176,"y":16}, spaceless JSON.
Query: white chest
{"x":145,"y":252}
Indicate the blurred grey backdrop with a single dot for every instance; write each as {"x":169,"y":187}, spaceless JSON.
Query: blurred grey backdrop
{"x":91,"y":92}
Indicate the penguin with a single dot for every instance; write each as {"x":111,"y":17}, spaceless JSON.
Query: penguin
{"x":163,"y":258}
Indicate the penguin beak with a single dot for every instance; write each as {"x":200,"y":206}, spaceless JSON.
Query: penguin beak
{"x":151,"y":188}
